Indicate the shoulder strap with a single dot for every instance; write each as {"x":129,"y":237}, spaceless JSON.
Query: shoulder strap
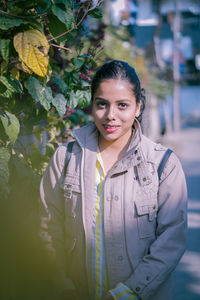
{"x":163,"y":162}
{"x":68,"y":156}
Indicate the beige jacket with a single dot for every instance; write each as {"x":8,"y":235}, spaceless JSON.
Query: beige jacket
{"x":144,"y":219}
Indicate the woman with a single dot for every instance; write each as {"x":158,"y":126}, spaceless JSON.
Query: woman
{"x":117,"y":230}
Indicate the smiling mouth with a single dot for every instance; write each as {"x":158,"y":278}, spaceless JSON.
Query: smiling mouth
{"x":110,"y":128}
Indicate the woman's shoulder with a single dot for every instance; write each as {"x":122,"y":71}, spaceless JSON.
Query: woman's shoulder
{"x":151,"y":148}
{"x":154,"y":152}
{"x":58,"y":158}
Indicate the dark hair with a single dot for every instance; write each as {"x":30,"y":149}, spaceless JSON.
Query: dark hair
{"x":117,"y":69}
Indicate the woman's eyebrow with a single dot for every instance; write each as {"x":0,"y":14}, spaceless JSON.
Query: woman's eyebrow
{"x":119,"y":100}
{"x":100,"y":99}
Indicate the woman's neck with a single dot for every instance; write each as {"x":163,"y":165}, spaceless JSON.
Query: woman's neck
{"x":111,"y":152}
{"x":115,"y":146}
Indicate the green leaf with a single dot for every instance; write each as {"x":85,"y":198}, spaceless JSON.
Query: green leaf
{"x":4,"y":173}
{"x":25,"y":4}
{"x":65,"y":16}
{"x":73,"y":100}
{"x":43,"y":6}
{"x":35,"y":156}
{"x":39,"y":92}
{"x":50,"y":149}
{"x":6,"y":88}
{"x":64,"y":2}
{"x":56,"y":28}
{"x":80,"y":98}
{"x":96,"y":13}
{"x":4,"y":49}
{"x":10,"y":124}
{"x":83,"y":98}
{"x":77,"y":62}
{"x":62,"y":85}
{"x":85,"y":83}
{"x":60,"y":104}
{"x":16,"y":84}
{"x":7,"y":23}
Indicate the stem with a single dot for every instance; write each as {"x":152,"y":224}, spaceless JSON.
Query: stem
{"x":75,"y":26}
{"x":57,"y":37}
{"x":61,"y":47}
{"x":79,"y":12}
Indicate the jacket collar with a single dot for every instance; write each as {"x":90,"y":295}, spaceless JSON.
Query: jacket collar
{"x":87,"y":137}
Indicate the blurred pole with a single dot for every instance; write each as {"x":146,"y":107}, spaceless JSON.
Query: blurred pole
{"x":156,"y":39}
{"x":106,"y":12}
{"x":176,"y":66}
{"x":167,"y":116}
{"x":44,"y":142}
{"x":162,"y":65}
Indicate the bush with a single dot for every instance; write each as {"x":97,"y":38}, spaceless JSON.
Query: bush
{"x":46,"y":58}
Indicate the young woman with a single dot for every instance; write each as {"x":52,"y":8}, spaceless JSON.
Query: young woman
{"x":116,"y":228}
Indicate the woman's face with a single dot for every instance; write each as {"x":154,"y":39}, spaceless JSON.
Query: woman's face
{"x":114,"y":110}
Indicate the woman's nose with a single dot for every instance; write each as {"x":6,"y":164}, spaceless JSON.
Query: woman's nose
{"x":111,"y":113}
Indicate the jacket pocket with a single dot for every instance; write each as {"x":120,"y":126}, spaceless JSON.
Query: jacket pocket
{"x":72,"y":205}
{"x":72,"y":194}
{"x":146,"y":218}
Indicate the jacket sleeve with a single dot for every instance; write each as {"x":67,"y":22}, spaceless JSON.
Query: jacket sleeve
{"x":52,"y":213}
{"x":166,"y":251}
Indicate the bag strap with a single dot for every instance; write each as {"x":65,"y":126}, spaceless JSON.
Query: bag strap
{"x":68,"y":156}
{"x":163,"y":162}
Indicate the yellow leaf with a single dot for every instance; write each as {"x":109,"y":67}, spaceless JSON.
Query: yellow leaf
{"x":25,"y":68}
{"x":32,"y":47}
{"x":14,"y":72}
{"x":22,"y":66}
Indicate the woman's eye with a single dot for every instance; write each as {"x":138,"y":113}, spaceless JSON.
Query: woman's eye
{"x":123,"y":105}
{"x":101,"y":104}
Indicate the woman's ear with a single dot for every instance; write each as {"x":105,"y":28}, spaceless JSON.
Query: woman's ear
{"x":137,"y":112}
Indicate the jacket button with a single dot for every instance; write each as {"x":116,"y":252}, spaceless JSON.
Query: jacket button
{"x":139,"y":158}
{"x":116,"y":198}
{"x":148,"y":278}
{"x":137,"y":289}
{"x":120,"y":258}
{"x":135,"y":152}
{"x":144,"y":179}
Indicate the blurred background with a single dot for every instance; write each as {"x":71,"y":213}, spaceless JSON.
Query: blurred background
{"x":40,"y":108}
{"x":165,"y":35}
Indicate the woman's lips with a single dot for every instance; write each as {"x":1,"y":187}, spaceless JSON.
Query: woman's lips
{"x":110,"y":128}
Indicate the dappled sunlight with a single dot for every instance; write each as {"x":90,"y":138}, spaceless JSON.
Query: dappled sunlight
{"x":190,"y":264}
{"x":194,"y":204}
{"x":193,"y":214}
{"x":193,"y":220}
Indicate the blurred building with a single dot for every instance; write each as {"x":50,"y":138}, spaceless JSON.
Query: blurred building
{"x":142,"y":19}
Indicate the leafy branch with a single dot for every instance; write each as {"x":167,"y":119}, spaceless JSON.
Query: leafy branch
{"x":76,"y":25}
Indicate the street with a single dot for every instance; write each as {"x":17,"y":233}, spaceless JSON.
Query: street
{"x":186,"y":144}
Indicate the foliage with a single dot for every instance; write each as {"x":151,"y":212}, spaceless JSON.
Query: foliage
{"x":46,"y":59}
{"x":44,"y":72}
